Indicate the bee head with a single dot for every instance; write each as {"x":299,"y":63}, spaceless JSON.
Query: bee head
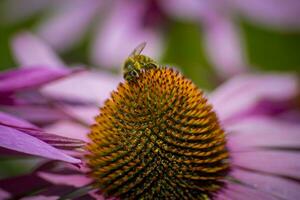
{"x":130,"y":69}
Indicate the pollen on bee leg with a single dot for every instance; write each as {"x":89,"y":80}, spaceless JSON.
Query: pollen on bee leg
{"x":158,"y":138}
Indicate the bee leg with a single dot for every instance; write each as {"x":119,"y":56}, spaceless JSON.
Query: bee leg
{"x":151,"y":66}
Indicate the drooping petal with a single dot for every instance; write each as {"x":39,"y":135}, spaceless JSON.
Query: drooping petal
{"x":30,"y":50}
{"x":24,"y":78}
{"x":16,"y":140}
{"x":121,"y":33}
{"x":69,"y":129}
{"x":236,"y":191}
{"x":59,"y":29}
{"x":185,"y":9}
{"x":36,"y":114}
{"x":263,"y":132}
{"x":275,"y":13}
{"x":97,"y":87}
{"x":84,"y":113}
{"x":4,"y":194}
{"x":243,"y":93}
{"x":277,"y":186}
{"x":224,"y":46}
{"x":62,"y":142}
{"x":285,"y":163}
{"x":14,"y":121}
{"x":21,"y":185}
{"x":75,"y":180}
{"x":41,"y":197}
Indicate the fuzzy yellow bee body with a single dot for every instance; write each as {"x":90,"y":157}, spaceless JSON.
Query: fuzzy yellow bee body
{"x":136,"y":62}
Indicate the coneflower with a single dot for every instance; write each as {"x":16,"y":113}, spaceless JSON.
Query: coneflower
{"x":158,"y":137}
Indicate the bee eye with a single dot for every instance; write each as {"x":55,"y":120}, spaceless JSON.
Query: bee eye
{"x":134,"y":73}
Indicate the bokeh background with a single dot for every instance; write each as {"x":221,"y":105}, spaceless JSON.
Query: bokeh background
{"x":209,"y":41}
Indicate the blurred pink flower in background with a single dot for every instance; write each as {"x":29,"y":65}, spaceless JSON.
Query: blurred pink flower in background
{"x":262,"y":143}
{"x":223,"y":41}
{"x":121,"y":25}
{"x":116,"y":32}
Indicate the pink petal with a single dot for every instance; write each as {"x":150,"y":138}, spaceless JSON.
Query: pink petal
{"x":20,"y":79}
{"x":61,"y":179}
{"x":30,"y":50}
{"x":16,"y":140}
{"x":59,"y":29}
{"x":69,"y":129}
{"x":235,"y":191}
{"x":20,"y":185}
{"x":277,"y":186}
{"x":222,"y":41}
{"x":121,"y":33}
{"x":4,"y":194}
{"x":224,"y":46}
{"x":185,"y":9}
{"x":97,"y":87}
{"x":86,"y":114}
{"x":276,"y":13}
{"x":286,"y":163}
{"x":26,"y":127}
{"x":36,"y":114}
{"x":242,"y":93}
{"x":263,"y":132}
{"x":8,"y":119}
{"x":41,"y":197}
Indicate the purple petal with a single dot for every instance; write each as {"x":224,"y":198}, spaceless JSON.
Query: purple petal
{"x":69,"y":129}
{"x":237,"y":191}
{"x":16,"y":140}
{"x":97,"y":87}
{"x":121,"y":33}
{"x":30,"y":50}
{"x":4,"y":194}
{"x":223,"y":46}
{"x":74,"y":180}
{"x":263,"y":132}
{"x":62,"y":142}
{"x":86,"y":114}
{"x":244,"y":92}
{"x":21,"y":185}
{"x":185,"y":9}
{"x":36,"y":114}
{"x":20,"y":79}
{"x":286,"y":163}
{"x":277,"y":186}
{"x":41,"y":197}
{"x":14,"y":121}
{"x":59,"y":29}
{"x":277,"y":13}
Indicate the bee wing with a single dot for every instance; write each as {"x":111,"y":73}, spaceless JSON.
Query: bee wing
{"x":137,"y":50}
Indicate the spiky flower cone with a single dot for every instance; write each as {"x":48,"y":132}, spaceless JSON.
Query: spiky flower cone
{"x":158,"y":138}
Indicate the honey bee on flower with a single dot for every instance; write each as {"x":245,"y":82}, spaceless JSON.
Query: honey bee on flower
{"x":136,"y":62}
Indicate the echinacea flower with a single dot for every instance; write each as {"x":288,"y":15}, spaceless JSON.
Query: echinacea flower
{"x":159,"y":137}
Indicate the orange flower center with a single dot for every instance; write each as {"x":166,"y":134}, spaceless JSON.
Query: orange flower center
{"x":158,"y":138}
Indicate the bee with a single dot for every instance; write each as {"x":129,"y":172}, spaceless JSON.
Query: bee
{"x":136,"y":62}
